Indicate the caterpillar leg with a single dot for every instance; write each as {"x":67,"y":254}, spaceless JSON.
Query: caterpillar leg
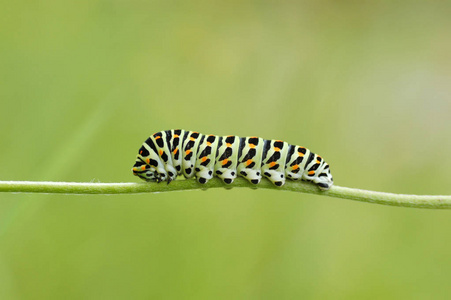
{"x":253,"y":176}
{"x":172,"y":173}
{"x":204,"y":175}
{"x":277,"y":178}
{"x":324,"y":186}
{"x":226,"y":175}
{"x":161,"y":175}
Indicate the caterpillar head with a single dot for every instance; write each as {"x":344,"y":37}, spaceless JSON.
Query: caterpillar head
{"x":227,"y":175}
{"x":147,"y":172}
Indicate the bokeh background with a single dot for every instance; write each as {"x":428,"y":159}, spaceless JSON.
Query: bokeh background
{"x":365,"y":84}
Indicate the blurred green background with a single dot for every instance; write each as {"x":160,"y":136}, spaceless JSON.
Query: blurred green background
{"x":366,"y":85}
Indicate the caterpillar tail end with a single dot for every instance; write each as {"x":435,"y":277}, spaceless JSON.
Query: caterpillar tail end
{"x":324,"y":186}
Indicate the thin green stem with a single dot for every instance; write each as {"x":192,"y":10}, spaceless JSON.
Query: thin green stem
{"x":439,"y":202}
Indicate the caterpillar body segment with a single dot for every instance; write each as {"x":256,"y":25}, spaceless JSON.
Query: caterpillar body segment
{"x":273,"y":166}
{"x":250,"y":157}
{"x":162,"y":141}
{"x":296,"y":162}
{"x":205,"y":163}
{"x":176,"y":142}
{"x":227,"y":158}
{"x":166,"y":154}
{"x":190,"y":145}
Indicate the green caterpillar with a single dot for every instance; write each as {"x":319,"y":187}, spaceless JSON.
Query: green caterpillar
{"x":166,"y":154}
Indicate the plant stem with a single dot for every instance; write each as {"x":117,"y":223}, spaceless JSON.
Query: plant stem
{"x":418,"y":201}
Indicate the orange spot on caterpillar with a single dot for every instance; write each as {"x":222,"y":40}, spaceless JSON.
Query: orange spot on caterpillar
{"x":143,"y":168}
{"x":318,"y":162}
{"x":225,"y":161}
{"x":251,"y":146}
{"x":248,"y":162}
{"x":187,"y":152}
{"x":141,"y":152}
{"x":208,"y":144}
{"x":228,"y":145}
{"x":272,"y":164}
{"x":276,"y":149}
{"x":192,"y":139}
{"x":175,"y":150}
{"x":161,"y":152}
{"x":148,"y":160}
{"x":295,"y":167}
{"x":176,"y":135}
{"x":204,"y":158}
{"x":311,"y":172}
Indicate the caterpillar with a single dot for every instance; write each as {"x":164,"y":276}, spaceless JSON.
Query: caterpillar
{"x":167,"y":154}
